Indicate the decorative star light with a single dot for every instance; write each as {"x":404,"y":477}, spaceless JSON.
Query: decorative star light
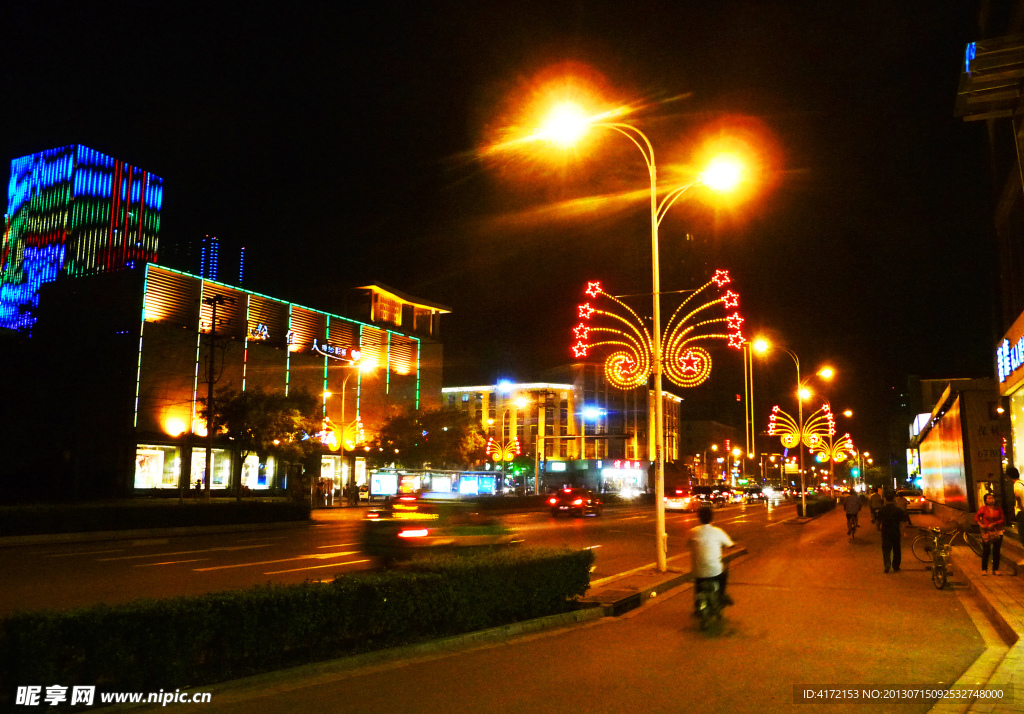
{"x":629,"y":363}
{"x":690,"y":362}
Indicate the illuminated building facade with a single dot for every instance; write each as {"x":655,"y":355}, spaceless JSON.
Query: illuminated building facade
{"x":141,"y":355}
{"x":72,"y":212}
{"x":594,"y":434}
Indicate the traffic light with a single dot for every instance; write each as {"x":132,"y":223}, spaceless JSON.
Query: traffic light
{"x":855,"y":472}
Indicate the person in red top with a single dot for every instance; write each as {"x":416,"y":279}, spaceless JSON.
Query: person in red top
{"x":990,"y":518}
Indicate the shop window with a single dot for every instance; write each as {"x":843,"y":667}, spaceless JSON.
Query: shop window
{"x":221,"y":467}
{"x":256,"y":475}
{"x":157,"y":466}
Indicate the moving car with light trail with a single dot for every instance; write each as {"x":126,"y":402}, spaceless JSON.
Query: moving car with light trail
{"x":411,"y":524}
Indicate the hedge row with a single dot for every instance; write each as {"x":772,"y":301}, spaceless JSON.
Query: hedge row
{"x":815,"y":507}
{"x":190,"y":641}
{"x":85,"y":517}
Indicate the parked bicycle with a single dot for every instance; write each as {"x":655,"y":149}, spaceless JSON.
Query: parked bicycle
{"x":924,"y":545}
{"x":941,"y":553}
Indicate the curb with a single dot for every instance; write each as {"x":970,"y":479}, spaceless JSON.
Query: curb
{"x":343,"y":665}
{"x":618,"y":601}
{"x":86,"y":537}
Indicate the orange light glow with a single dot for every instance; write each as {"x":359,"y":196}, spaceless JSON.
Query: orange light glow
{"x":723,"y":174}
{"x":174,"y":427}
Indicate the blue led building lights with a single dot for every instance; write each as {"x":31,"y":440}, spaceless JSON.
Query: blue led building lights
{"x":72,"y":211}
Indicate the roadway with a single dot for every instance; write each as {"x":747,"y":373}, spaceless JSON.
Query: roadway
{"x":77,"y":574}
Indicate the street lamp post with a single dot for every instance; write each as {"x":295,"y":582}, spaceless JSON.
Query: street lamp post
{"x":565,"y":125}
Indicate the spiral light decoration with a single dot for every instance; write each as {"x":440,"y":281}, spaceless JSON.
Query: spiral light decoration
{"x":818,"y":425}
{"x":837,"y":450}
{"x":503,"y":452}
{"x":630,"y":362}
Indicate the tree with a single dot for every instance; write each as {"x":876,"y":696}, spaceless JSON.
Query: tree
{"x":441,"y":438}
{"x":259,"y":422}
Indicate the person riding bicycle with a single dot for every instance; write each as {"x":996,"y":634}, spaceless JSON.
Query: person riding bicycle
{"x":852,"y":506}
{"x":705,"y":543}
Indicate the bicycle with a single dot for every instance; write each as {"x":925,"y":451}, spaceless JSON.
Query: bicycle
{"x":852,"y":524}
{"x":924,"y":544}
{"x":941,"y":556}
{"x":709,"y":603}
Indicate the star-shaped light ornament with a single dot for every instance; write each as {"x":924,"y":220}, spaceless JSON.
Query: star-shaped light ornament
{"x":734,"y":321}
{"x":736,"y":340}
{"x":579,"y":349}
{"x":593,"y":288}
{"x":581,"y":331}
{"x":690,"y":362}
{"x":586,"y":311}
{"x":721,"y":278}
{"x":730,"y":299}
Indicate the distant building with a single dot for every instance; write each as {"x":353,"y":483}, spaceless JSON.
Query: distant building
{"x":588,"y":432}
{"x":72,"y":212}
{"x":134,"y":348}
{"x":703,"y":443}
{"x":209,"y":257}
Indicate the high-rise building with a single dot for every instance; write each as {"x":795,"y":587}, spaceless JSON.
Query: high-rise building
{"x":72,"y":211}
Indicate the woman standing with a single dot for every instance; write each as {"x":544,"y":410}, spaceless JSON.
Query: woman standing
{"x":990,"y":518}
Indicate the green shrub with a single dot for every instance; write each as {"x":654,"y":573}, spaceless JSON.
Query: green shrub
{"x":189,"y":641}
{"x":815,"y":507}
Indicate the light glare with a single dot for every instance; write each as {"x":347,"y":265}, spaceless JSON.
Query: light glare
{"x":565,"y":124}
{"x":723,"y":174}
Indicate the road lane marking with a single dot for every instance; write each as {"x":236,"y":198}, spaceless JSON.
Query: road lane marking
{"x":85,"y":552}
{"x":338,"y":545}
{"x":169,"y":562}
{"x":314,"y":567}
{"x":185,"y":552}
{"x":244,"y":540}
{"x":318,"y":556}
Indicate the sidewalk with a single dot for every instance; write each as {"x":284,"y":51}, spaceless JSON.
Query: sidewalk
{"x":1002,"y":601}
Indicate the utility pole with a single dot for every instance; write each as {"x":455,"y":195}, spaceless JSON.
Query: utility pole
{"x":213,"y":301}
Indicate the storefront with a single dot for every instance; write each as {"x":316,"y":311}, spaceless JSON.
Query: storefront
{"x":1010,"y":373}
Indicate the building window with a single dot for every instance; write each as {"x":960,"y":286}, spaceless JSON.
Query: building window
{"x":563,"y":449}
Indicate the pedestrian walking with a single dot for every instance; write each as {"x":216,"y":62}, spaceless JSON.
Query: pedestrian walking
{"x":852,"y":506}
{"x":875,"y":503}
{"x":890,"y":517}
{"x":990,"y":518}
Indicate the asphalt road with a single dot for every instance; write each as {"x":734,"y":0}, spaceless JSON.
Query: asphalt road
{"x":812,"y":609}
{"x":70,"y":575}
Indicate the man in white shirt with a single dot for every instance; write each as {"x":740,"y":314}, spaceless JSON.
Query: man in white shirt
{"x":706,"y":543}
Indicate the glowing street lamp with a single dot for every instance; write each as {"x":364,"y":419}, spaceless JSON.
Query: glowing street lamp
{"x":565,"y":125}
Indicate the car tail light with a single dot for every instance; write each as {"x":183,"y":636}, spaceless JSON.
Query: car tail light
{"x":413,"y":533}
{"x":407,"y":498}
{"x":578,"y":502}
{"x":552,"y":501}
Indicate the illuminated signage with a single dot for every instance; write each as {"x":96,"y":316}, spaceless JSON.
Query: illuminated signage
{"x":627,"y":464}
{"x":350,"y":354}
{"x":1009,"y":358}
{"x":259,"y":331}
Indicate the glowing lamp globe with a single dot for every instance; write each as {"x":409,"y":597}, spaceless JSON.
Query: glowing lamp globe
{"x":723,"y":174}
{"x":565,"y":125}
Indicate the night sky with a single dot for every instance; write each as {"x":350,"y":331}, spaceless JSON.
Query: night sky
{"x":340,"y":142}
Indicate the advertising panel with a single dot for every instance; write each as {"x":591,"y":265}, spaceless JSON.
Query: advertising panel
{"x":943,"y":476}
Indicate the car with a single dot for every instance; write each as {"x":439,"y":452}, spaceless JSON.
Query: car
{"x":754,"y":495}
{"x":411,"y":524}
{"x":682,"y":499}
{"x":704,"y":494}
{"x":578,"y":501}
{"x":915,"y":500}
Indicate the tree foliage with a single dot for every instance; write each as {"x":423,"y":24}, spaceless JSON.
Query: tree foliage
{"x":255,"y":419}
{"x":441,"y":438}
